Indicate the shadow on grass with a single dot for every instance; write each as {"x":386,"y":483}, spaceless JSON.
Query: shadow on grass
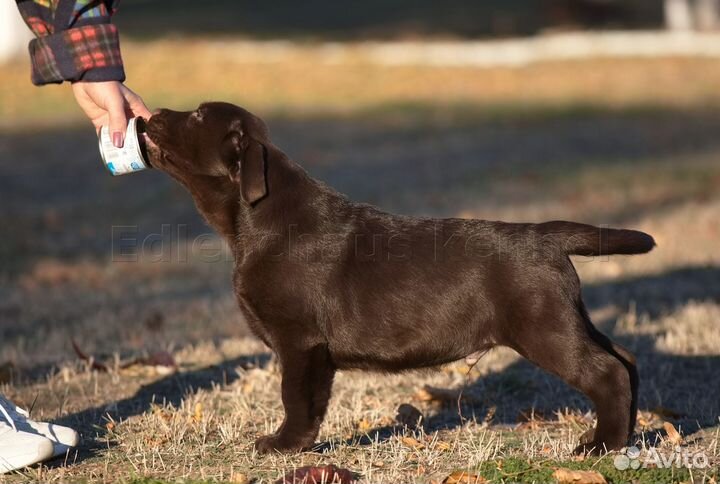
{"x":676,"y":382}
{"x":171,"y":390}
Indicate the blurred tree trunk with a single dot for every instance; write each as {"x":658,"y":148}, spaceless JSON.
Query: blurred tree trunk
{"x":706,"y":14}
{"x":14,"y":34}
{"x":692,"y":14}
{"x":678,"y":15}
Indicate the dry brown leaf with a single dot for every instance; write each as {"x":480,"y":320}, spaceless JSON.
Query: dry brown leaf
{"x":364,"y":425}
{"x":673,"y":435}
{"x":240,"y":479}
{"x":317,"y":475}
{"x":94,"y":365}
{"x":443,"y":446}
{"x":644,"y":422}
{"x":412,"y":443}
{"x":569,"y":476}
{"x":464,"y":477}
{"x":423,"y":395}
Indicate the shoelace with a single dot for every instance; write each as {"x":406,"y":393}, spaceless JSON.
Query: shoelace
{"x":4,"y":411}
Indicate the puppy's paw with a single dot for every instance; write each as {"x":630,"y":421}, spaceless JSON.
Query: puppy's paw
{"x":589,"y":448}
{"x":590,"y":444}
{"x":587,"y":437}
{"x":595,"y":448}
{"x":276,"y":443}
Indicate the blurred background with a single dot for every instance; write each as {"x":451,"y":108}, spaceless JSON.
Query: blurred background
{"x":601,"y":111}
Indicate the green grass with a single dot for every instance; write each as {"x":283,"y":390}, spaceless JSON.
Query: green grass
{"x":527,"y":471}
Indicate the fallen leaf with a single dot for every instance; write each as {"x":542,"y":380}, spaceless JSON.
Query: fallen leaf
{"x":240,"y":479}
{"x":412,"y":443}
{"x":409,"y":416}
{"x":317,"y":475}
{"x":161,"y":362}
{"x":464,"y":477}
{"x":443,"y":446}
{"x":643,"y":421}
{"x":673,"y":435}
{"x":568,"y":476}
{"x":364,"y":425}
{"x":95,"y":365}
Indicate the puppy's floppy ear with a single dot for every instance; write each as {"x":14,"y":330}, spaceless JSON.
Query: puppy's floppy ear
{"x":247,"y":162}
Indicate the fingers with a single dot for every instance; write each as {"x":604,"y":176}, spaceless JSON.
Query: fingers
{"x":117,"y":121}
{"x":136,"y":104}
{"x":110,"y":103}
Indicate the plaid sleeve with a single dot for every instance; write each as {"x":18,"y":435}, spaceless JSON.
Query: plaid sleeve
{"x":75,"y":41}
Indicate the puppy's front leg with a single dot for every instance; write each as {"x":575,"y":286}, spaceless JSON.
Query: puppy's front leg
{"x":307,"y":378}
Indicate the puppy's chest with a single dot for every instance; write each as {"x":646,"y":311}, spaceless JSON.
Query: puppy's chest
{"x":280,"y":294}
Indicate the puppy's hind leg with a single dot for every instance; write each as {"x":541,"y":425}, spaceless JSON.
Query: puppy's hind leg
{"x":628,"y":360}
{"x":307,"y":378}
{"x":570,"y":351}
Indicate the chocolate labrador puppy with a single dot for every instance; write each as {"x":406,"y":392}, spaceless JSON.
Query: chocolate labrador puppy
{"x":330,"y":284}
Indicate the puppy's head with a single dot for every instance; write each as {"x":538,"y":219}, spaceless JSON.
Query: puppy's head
{"x":217,"y":140}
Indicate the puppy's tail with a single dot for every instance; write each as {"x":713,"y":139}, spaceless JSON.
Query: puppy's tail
{"x":588,"y":240}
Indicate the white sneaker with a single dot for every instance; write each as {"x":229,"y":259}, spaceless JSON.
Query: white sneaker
{"x":62,"y":438}
{"x":21,"y":449}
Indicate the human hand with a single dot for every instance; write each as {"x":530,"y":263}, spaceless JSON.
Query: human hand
{"x":109,"y":104}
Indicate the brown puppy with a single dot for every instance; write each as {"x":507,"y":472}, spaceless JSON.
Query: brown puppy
{"x":330,"y":284}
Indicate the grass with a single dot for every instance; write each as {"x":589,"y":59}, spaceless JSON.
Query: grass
{"x":302,"y":81}
{"x":630,"y":143}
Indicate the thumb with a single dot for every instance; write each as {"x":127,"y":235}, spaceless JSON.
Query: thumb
{"x":118,"y":123}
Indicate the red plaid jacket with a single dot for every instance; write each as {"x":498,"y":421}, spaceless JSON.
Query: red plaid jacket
{"x":75,"y":40}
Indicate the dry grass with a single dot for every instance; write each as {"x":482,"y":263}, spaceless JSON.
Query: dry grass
{"x":311,"y":80}
{"x":654,"y":169}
